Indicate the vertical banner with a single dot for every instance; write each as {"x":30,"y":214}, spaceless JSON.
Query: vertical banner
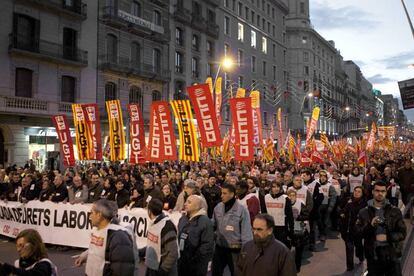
{"x":66,"y":145}
{"x":209,"y":82}
{"x":136,"y":134}
{"x":279,"y":123}
{"x":219,"y":100}
{"x":371,"y":139}
{"x":257,"y":118}
{"x":241,"y":113}
{"x":155,"y":143}
{"x":169,"y":148}
{"x":91,"y":112}
{"x":202,"y":102}
{"x":186,"y":130}
{"x":241,"y":93}
{"x":116,"y":130}
{"x":82,"y":132}
{"x":312,"y":124}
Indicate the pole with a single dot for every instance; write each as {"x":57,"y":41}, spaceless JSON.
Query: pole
{"x":408,"y":17}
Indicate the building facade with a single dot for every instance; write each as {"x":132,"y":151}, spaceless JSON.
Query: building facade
{"x":48,"y":54}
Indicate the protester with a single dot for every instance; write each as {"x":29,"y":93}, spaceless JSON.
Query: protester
{"x":264,"y":255}
{"x":150,"y":191}
{"x":168,"y":198}
{"x":111,"y":250}
{"x":355,"y":179}
{"x":32,"y":256}
{"x":232,"y":228}
{"x":77,"y":193}
{"x":247,"y":199}
{"x":406,"y":180}
{"x":30,"y":190}
{"x":348,"y":217}
{"x":327,"y":205}
{"x":382,"y":227}
{"x":121,"y":194}
{"x":212,"y":194}
{"x":196,"y":239}
{"x":95,"y":188}
{"x":59,"y":191}
{"x":161,"y":252}
{"x":136,"y":198}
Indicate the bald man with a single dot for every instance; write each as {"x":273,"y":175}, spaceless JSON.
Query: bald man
{"x":196,"y":238}
{"x":78,"y":192}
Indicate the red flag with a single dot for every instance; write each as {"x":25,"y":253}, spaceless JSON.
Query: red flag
{"x":136,"y":135}
{"x":202,"y":103}
{"x":241,"y":113}
{"x":305,"y":161}
{"x":94,"y":126}
{"x":362,"y":159}
{"x":317,"y":157}
{"x":66,"y":143}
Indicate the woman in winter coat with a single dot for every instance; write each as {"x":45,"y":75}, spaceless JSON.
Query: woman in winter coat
{"x":348,"y":217}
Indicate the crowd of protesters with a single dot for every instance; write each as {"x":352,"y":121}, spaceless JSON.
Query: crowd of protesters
{"x":243,"y":215}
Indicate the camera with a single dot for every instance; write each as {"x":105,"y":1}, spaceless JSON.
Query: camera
{"x":380,"y":221}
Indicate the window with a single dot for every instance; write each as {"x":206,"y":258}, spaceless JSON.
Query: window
{"x":253,"y":15}
{"x":274,"y":50}
{"x":264,"y":68}
{"x":156,"y":60}
{"x":210,"y":48}
{"x":211,"y":16}
{"x":179,"y":90}
{"x":136,"y":8}
{"x":179,"y":62}
{"x":196,"y":8}
{"x":239,"y":57}
{"x":253,"y":39}
{"x":135,"y":54}
{"x":210,"y":69}
{"x":265,"y":117}
{"x":240,"y":81}
{"x":253,"y":65}
{"x":263,"y":24}
{"x":226,"y":50}
{"x":305,"y":56}
{"x":226,"y":3}
{"x":306,"y":70}
{"x":68,"y":89}
{"x":111,"y":48}
{"x":135,"y":96}
{"x":157,"y":18}
{"x":110,"y":91}
{"x":274,"y":31}
{"x":274,"y":72}
{"x":179,"y":36}
{"x":227,"y":112}
{"x":194,"y":68}
{"x":70,"y":43}
{"x":226,"y":25}
{"x":23,"y":82}
{"x":246,"y":12}
{"x":195,"y":43}
{"x":239,"y":9}
{"x":26,"y":32}
{"x":302,"y":7}
{"x":264,"y":45}
{"x":156,"y":95}
{"x":240,"y":32}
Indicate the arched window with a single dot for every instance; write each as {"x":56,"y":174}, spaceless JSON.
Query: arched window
{"x":179,"y":36}
{"x":135,"y":54}
{"x":135,"y":96}
{"x":156,"y":95}
{"x":23,"y":84}
{"x":179,"y":91}
{"x":110,"y":91}
{"x":111,"y":48}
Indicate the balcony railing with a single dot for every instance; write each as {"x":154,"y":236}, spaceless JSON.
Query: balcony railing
{"x":213,"y":2}
{"x":45,"y":49}
{"x":134,"y":67}
{"x":22,"y":105}
{"x":74,"y":8}
{"x":198,"y":22}
{"x":212,"y":29}
{"x":181,"y":14}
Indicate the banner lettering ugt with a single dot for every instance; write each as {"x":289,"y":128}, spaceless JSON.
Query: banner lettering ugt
{"x":202,"y":102}
{"x":66,"y":144}
{"x":116,"y":130}
{"x":241,"y":113}
{"x":91,"y":112}
{"x":186,"y":129}
{"x":136,"y":134}
{"x":83,"y":141}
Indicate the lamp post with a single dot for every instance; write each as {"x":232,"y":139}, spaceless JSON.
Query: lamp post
{"x":227,"y":63}
{"x":408,"y":17}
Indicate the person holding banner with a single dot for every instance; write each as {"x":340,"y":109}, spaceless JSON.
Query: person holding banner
{"x":32,"y":256}
{"x":112,"y":247}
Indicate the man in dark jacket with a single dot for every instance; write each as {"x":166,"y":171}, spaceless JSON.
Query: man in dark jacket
{"x":196,"y":239}
{"x":118,"y":255}
{"x":95,"y":188}
{"x":212,"y":194}
{"x":406,"y":181}
{"x":60,"y":191}
{"x":150,"y":191}
{"x":30,"y":189}
{"x":264,"y":255}
{"x":382,"y":227}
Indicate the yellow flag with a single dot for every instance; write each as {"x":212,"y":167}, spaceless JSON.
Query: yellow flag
{"x":241,"y":93}
{"x":116,"y":130}
{"x":218,"y":86}
{"x":209,"y":81}
{"x":255,"y":95}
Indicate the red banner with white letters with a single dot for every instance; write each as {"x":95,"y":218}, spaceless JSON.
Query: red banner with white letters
{"x":66,"y":143}
{"x":241,"y":113}
{"x":202,"y":102}
{"x":91,"y":112}
{"x":136,"y":135}
{"x":162,"y":144}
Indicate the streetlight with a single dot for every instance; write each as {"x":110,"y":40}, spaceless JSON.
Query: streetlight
{"x":347,"y":108}
{"x":227,"y":63}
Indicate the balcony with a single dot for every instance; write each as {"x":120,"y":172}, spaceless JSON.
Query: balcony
{"x":76,"y":10}
{"x":21,"y":105}
{"x":182,"y":15}
{"x":212,"y":29}
{"x":129,"y":67}
{"x":161,"y":3}
{"x":45,"y":50}
{"x":215,"y":3}
{"x":198,"y":22}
